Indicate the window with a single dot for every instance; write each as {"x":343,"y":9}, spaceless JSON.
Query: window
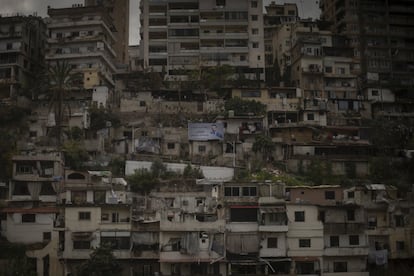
{"x":334,"y":241}
{"x":329,"y":194}
{"x":399,"y":220}
{"x":255,"y":31}
{"x":116,"y":243}
{"x":243,"y":214}
{"x":328,"y":69}
{"x":201,"y":148}
{"x":351,"y":194}
{"x":271,"y":242}
{"x":299,"y":216}
{"x":99,"y":197}
{"x":372,"y":222}
{"x":340,"y":71}
{"x":220,"y":2}
{"x":340,"y":267}
{"x":253,"y":4}
{"x":255,"y":17}
{"x":304,"y":243}
{"x":375,"y":93}
{"x":400,"y":245}
{"x":321,"y":216}
{"x":259,"y":57}
{"x":9,"y":46}
{"x":255,"y":44}
{"x":79,"y":197}
{"x":231,"y":191}
{"x":354,"y":240}
{"x":142,"y":103}
{"x":47,"y":236}
{"x":171,"y":146}
{"x":249,"y":191}
{"x":81,"y":244}
{"x":350,"y":215}
{"x":84,"y":215}
{"x":28,"y":218}
{"x":310,"y":116}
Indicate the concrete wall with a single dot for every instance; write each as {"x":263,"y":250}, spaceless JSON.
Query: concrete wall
{"x":311,"y":229}
{"x":19,"y":232}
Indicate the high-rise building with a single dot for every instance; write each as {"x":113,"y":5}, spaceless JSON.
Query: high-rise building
{"x":381,"y":35}
{"x":277,"y":17}
{"x":84,"y":38}
{"x":177,"y":36}
{"x":119,"y":12}
{"x":22,"y":45}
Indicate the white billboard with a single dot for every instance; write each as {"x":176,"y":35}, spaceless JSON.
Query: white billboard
{"x":205,"y":131}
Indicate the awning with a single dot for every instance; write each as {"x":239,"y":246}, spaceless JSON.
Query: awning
{"x":272,"y":209}
{"x":38,"y":210}
{"x":305,"y":259}
{"x":82,"y":236}
{"x":244,"y":206}
{"x":238,"y":243}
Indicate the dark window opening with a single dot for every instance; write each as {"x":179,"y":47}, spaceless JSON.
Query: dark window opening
{"x":300,"y":216}
{"x":28,"y":218}
{"x":304,"y":243}
{"x":329,"y":194}
{"x":243,"y":214}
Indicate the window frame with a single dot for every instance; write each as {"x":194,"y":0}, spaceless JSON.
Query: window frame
{"x":84,"y":215}
{"x":299,"y":216}
{"x":305,"y":243}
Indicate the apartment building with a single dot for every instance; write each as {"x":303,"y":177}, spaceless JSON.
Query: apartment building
{"x":276,"y":17}
{"x":380,"y":33}
{"x":345,"y":244}
{"x":182,"y":36}
{"x":119,"y":11}
{"x":22,"y":51}
{"x":305,"y":239}
{"x":389,"y":223}
{"x":95,"y":211}
{"x":84,"y":38}
{"x":256,"y":228}
{"x":31,"y":210}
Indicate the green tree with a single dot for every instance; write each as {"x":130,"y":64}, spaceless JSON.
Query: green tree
{"x":100,"y":117}
{"x":61,"y":80}
{"x":142,"y":181}
{"x":244,"y":107}
{"x":15,"y":260}
{"x":264,"y":145}
{"x":100,"y":263}
{"x":192,"y":172}
{"x":75,"y":154}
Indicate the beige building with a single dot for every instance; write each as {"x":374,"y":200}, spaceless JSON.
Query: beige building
{"x":84,"y":38}
{"x":96,"y":212}
{"x":178,"y":37}
{"x":31,"y":211}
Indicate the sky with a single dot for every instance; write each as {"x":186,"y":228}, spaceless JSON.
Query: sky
{"x":306,"y":8}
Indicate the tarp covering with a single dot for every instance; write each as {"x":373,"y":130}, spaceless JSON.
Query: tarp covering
{"x":190,"y":243}
{"x":243,"y":243}
{"x":378,"y":257}
{"x":144,"y":238}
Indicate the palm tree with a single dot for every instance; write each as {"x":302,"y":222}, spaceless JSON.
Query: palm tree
{"x":61,"y":79}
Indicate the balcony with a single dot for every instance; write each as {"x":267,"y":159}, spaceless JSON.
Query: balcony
{"x":191,"y":225}
{"x":343,"y":228}
{"x":345,"y":251}
{"x":273,"y":228}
